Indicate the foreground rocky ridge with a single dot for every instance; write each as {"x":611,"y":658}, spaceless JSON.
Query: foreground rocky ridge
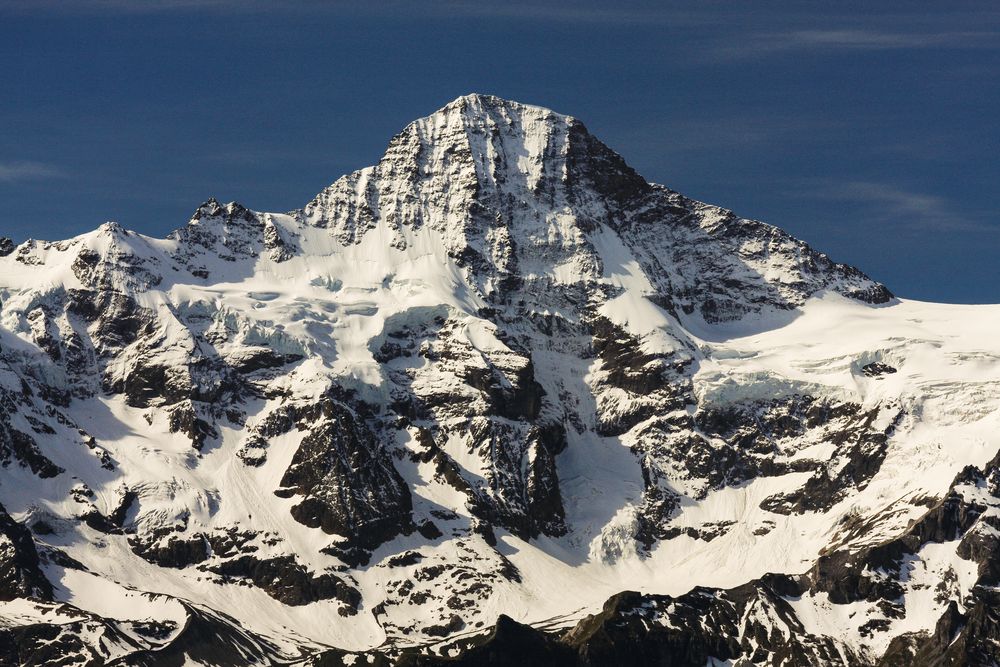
{"x":496,"y":371}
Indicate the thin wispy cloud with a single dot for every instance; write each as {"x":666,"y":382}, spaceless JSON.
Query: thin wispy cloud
{"x":875,"y":40}
{"x":15,"y":171}
{"x":127,"y":6}
{"x":720,"y":33}
{"x":559,"y":11}
{"x":728,"y":133}
{"x":636,"y":13}
{"x":622,"y":13}
{"x":886,"y":204}
{"x":852,"y":40}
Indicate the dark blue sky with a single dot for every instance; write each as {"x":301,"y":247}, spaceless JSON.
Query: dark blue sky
{"x":873,"y":135}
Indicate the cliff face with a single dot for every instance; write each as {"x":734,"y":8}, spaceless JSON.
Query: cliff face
{"x":498,"y":371}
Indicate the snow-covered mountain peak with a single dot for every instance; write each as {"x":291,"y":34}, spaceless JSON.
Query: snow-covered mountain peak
{"x":210,"y":208}
{"x":476,"y":164}
{"x":225,"y":219}
{"x":213,"y":209}
{"x":519,"y":149}
{"x":474,"y":107}
{"x":112,"y":229}
{"x":512,"y":121}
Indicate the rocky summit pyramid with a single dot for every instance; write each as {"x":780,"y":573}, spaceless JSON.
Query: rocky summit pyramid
{"x":495,"y":399}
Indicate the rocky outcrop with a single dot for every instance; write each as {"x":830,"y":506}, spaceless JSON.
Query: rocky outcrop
{"x":288,"y":582}
{"x":20,"y":572}
{"x":348,"y":483}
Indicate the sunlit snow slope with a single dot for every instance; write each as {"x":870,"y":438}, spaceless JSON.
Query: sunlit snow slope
{"x":496,"y":373}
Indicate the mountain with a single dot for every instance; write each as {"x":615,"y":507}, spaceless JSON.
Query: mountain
{"x":496,"y":398}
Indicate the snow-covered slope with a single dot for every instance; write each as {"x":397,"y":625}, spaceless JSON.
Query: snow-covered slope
{"x":498,"y":373}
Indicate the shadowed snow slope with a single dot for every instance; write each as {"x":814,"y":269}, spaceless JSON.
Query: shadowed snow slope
{"x":496,"y":373}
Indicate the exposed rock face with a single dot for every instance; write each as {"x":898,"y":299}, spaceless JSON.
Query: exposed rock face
{"x":347,"y":479}
{"x":20,"y":574}
{"x":496,"y":374}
